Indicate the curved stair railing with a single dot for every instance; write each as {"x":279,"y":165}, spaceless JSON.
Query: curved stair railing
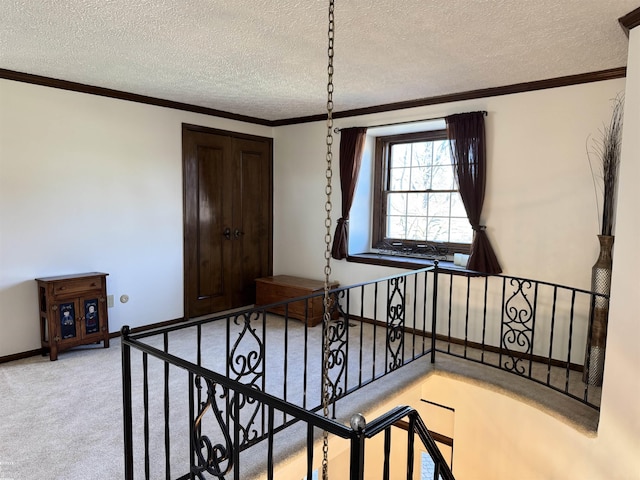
{"x":216,"y":446}
{"x":249,"y":374}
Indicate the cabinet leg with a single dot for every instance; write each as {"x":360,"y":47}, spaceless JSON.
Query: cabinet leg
{"x":106,"y":341}
{"x":53,"y":353}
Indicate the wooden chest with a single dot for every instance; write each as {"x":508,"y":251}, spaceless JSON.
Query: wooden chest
{"x":282,"y":287}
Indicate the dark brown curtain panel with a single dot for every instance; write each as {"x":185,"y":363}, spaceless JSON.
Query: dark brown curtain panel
{"x":467,"y":142}
{"x":351,"y":149}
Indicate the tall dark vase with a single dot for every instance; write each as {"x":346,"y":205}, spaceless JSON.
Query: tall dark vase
{"x":600,"y":283}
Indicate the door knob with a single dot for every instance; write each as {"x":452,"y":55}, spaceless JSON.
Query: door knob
{"x":237,"y":233}
{"x":227,"y":233}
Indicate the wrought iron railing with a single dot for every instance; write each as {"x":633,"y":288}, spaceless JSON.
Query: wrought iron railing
{"x":536,"y":330}
{"x":230,"y":382}
{"x":223,"y":418}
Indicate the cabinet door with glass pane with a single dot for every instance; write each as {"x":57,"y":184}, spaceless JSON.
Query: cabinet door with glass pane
{"x":93,"y":313}
{"x":67,"y":321}
{"x":79,"y":319}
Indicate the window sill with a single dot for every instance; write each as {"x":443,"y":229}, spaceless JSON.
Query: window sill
{"x":409,"y":263}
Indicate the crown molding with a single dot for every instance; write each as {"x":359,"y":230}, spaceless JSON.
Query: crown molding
{"x":566,"y":81}
{"x":569,"y":80}
{"x":630,"y":20}
{"x":120,"y":95}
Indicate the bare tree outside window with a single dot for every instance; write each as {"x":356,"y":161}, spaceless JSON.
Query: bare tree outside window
{"x":420,"y":199}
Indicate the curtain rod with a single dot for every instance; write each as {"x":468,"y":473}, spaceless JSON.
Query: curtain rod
{"x":337,"y":130}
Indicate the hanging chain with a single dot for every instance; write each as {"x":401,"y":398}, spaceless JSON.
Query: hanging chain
{"x":327,"y":253}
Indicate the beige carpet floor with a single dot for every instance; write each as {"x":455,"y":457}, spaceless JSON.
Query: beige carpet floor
{"x":63,"y":419}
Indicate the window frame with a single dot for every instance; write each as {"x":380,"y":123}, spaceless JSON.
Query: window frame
{"x":417,"y":248}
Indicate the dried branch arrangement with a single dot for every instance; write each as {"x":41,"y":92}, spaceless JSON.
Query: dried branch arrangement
{"x":604,"y":159}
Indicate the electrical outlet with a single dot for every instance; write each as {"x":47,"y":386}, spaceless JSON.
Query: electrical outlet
{"x":109,"y":301}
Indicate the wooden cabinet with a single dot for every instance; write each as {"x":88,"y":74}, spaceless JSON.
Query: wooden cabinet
{"x":73,"y":311}
{"x":283,"y":287}
{"x":227,"y":184}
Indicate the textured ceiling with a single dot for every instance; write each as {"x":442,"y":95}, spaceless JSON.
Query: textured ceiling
{"x":267,"y":58}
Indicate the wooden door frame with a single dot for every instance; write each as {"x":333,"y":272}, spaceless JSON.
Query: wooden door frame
{"x":186,"y":127}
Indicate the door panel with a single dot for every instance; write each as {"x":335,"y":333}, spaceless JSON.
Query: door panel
{"x":92,"y":315}
{"x":227,"y":183}
{"x":67,"y":320}
{"x":211,"y":240}
{"x":207,"y":212}
{"x":253,"y":215}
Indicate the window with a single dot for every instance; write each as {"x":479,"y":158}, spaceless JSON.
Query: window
{"x":417,"y":207}
{"x":427,"y":467}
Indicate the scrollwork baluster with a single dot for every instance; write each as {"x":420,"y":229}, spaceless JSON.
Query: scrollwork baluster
{"x":395,"y":323}
{"x":518,"y":330}
{"x":215,"y":459}
{"x":338,"y":330}
{"x":246,"y":362}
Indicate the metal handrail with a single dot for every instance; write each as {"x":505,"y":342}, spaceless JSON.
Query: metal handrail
{"x":313,"y":420}
{"x":325,"y":423}
{"x":404,"y":329}
{"x":384,"y":422}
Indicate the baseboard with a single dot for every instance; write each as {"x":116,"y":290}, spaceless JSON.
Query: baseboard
{"x":475,"y":345}
{"x":151,"y":326}
{"x":21,"y":355}
{"x":454,"y":340}
{"x":43,"y":351}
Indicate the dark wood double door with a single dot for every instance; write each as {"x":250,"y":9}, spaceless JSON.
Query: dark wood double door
{"x":227,"y":183}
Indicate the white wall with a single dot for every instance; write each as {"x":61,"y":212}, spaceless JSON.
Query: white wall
{"x":620,"y":412}
{"x":123,"y":161}
{"x":496,"y":436}
{"x":91,"y":184}
{"x":540,"y":208}
{"x":540,"y":213}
